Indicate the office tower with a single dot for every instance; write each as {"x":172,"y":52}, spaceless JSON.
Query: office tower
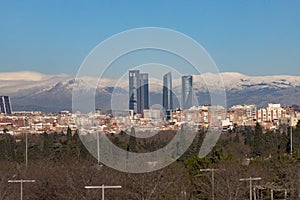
{"x":138,"y":91}
{"x":187,"y":91}
{"x":134,"y":90}
{"x":144,"y":92}
{"x":167,"y":94}
{"x":5,"y":105}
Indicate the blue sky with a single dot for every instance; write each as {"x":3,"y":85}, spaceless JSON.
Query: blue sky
{"x":252,"y":37}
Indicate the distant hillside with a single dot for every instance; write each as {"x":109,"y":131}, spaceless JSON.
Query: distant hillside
{"x":52,"y":93}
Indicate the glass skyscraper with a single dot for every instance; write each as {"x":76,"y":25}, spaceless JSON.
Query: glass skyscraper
{"x":187,"y":91}
{"x":167,"y":92}
{"x":134,"y":85}
{"x":144,"y":92}
{"x":5,"y":105}
{"x":138,"y":91}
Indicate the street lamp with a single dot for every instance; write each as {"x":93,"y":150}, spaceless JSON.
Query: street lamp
{"x":103,"y":187}
{"x":26,"y":142}
{"x":291,"y":138}
{"x":98,"y":148}
{"x":250,"y":179}
{"x":21,"y":184}
{"x":212,"y":180}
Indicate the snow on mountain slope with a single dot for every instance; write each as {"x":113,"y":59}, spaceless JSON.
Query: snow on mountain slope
{"x":237,"y":81}
{"x":12,"y":82}
{"x":31,"y":90}
{"x":240,"y":81}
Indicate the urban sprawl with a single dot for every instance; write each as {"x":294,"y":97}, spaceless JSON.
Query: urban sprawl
{"x":141,"y":115}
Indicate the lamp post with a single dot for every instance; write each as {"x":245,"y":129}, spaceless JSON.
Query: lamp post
{"x":21,"y":184}
{"x":250,"y":179}
{"x":103,"y":187}
{"x":26,"y":149}
{"x":98,"y":147}
{"x":212,"y":179}
{"x":26,"y":142}
{"x":291,"y":138}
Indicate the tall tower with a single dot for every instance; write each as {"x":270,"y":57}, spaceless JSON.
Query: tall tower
{"x":187,"y":91}
{"x":167,"y":92}
{"x":134,"y":90}
{"x":5,"y":105}
{"x":144,"y":92}
{"x":138,"y":91}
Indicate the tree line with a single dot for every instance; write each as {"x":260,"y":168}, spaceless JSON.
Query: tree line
{"x":62,"y":166}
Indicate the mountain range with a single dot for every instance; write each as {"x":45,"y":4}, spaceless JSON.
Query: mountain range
{"x":52,"y":93}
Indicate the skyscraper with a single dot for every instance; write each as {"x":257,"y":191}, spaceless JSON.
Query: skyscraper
{"x":134,"y":87}
{"x":5,"y":105}
{"x":144,"y":92}
{"x":187,"y":91}
{"x":138,"y":91}
{"x":167,"y":92}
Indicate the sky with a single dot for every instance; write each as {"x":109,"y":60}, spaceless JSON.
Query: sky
{"x":258,"y":37}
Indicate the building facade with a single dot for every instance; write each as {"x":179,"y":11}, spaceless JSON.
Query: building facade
{"x":134,"y":94}
{"x":273,"y":113}
{"x":187,"y":91}
{"x":243,"y":115}
{"x":144,"y":92}
{"x":167,"y":94}
{"x":5,"y":105}
{"x":138,"y":91}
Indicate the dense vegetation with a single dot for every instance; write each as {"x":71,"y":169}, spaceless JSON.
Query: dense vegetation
{"x":62,"y":166}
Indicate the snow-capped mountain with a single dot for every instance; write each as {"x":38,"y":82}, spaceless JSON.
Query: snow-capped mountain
{"x":51,"y":93}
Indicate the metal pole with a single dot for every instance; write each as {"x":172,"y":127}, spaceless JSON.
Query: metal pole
{"x":272,"y":194}
{"x":21,"y":189}
{"x":212,"y":180}
{"x":250,"y":188}
{"x":103,"y":187}
{"x":285,"y":194}
{"x":98,"y":147}
{"x":26,"y":150}
{"x":21,"y":184}
{"x":298,"y":174}
{"x":102,"y":191}
{"x":213,"y":185}
{"x":291,"y":136}
{"x":26,"y":142}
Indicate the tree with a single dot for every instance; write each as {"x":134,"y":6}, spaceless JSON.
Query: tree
{"x":69,"y":133}
{"x":132,"y":144}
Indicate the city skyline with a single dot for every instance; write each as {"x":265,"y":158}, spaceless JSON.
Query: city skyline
{"x":41,"y":88}
{"x":139,"y":92}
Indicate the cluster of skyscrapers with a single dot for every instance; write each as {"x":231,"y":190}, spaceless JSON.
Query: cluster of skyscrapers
{"x":139,"y":92}
{"x":5,"y":105}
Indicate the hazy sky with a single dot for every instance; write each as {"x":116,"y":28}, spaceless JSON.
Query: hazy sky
{"x":252,"y":37}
